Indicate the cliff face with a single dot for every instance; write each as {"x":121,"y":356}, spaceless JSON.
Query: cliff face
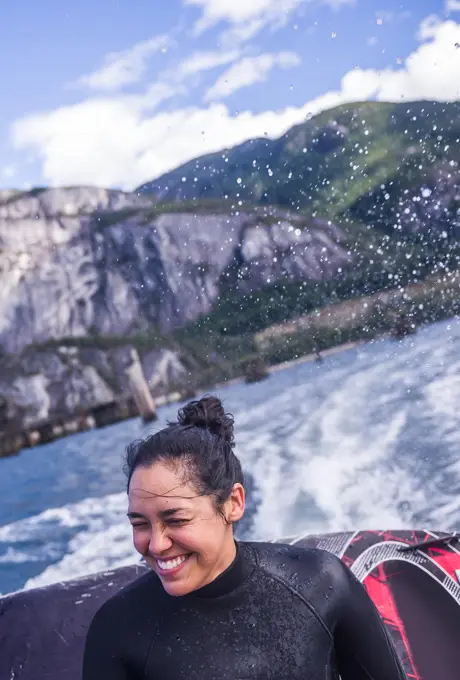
{"x":50,"y":257}
{"x":85,"y":262}
{"x":81,"y":261}
{"x":43,"y":383}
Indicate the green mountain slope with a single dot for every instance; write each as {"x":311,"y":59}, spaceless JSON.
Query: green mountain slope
{"x":334,"y":164}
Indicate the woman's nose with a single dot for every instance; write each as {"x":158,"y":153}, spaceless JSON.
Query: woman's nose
{"x":159,"y":542}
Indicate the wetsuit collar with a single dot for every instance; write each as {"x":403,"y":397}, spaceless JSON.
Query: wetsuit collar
{"x":230,"y":579}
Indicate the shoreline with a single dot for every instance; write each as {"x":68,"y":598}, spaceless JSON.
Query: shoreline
{"x":306,"y":358}
{"x":14,"y":443}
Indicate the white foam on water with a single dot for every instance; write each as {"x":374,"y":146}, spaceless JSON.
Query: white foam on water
{"x":339,"y":465}
{"x":91,"y":551}
{"x":27,"y":529}
{"x":13,"y":556}
{"x":324,"y":474}
{"x":442,"y":400}
{"x":101,"y":539}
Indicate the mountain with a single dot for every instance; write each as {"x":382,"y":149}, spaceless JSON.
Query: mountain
{"x":365,"y":162}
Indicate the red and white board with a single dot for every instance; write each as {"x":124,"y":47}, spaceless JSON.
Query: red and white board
{"x":413,"y":579}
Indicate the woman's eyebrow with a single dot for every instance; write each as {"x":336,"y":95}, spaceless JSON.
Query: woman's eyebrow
{"x":163,"y":513}
{"x":170,"y":511}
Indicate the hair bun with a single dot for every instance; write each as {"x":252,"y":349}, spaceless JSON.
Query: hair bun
{"x":208,"y":413}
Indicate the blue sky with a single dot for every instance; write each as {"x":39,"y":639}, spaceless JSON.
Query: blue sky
{"x":115,"y":93}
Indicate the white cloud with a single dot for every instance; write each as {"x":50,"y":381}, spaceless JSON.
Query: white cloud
{"x":123,"y":141}
{"x":453,"y":6}
{"x":123,"y":68}
{"x":205,"y":61}
{"x":129,"y":66}
{"x":248,"y":71}
{"x":247,"y":17}
{"x":186,"y":74}
{"x":241,"y":11}
{"x":431,"y":72}
{"x":112,"y":143}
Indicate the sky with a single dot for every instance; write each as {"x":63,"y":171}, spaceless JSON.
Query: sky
{"x":114,"y":93}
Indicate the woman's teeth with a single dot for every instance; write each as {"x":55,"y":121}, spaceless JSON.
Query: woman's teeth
{"x":171,"y":564}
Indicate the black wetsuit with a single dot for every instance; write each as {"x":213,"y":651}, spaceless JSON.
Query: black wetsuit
{"x":277,"y":613}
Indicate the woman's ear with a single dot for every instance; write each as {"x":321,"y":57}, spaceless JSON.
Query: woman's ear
{"x":235,"y":505}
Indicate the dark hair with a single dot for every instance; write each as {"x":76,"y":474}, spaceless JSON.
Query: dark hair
{"x":203,"y":440}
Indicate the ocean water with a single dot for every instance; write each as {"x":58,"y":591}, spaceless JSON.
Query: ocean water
{"x":370,"y":438}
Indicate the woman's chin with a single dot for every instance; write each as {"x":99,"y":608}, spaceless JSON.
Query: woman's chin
{"x":177,"y":581}
{"x":177,"y":588}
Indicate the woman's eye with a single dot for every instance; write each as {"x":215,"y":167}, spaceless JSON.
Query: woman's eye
{"x":178,"y":521}
{"x":139,"y":526}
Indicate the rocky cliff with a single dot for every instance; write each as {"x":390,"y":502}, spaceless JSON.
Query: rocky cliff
{"x":42,"y":384}
{"x":83,"y":263}
{"x":89,"y":261}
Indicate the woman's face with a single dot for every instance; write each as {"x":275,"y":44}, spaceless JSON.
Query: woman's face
{"x":179,"y":533}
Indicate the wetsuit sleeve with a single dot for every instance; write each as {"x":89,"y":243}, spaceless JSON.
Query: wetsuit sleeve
{"x":363,"y":648}
{"x":101,"y":659}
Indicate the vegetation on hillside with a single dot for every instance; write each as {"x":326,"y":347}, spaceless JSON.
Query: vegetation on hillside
{"x":328,"y":163}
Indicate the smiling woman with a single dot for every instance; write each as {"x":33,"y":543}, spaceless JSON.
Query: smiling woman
{"x":182,"y":506}
{"x":212,"y":607}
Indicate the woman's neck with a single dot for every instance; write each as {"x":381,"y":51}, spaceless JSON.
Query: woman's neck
{"x":228,"y":579}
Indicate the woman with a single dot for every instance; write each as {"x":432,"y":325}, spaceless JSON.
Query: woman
{"x":212,"y":608}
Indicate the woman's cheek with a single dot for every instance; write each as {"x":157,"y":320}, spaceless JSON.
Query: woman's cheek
{"x":186,"y":536}
{"x":140,"y":542}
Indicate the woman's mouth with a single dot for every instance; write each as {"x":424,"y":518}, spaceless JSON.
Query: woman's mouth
{"x":171,"y":566}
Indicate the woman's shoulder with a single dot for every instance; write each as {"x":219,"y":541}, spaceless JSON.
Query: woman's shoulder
{"x":283,"y":561}
{"x":131,"y":598}
{"x":317,"y":577}
{"x":278,"y":552}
